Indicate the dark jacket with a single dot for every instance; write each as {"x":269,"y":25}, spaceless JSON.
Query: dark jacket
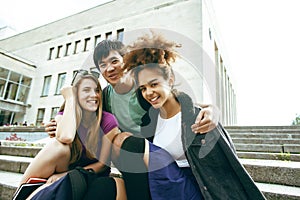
{"x":211,"y":156}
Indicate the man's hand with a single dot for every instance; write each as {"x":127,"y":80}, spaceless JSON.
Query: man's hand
{"x":51,"y":128}
{"x":206,"y":120}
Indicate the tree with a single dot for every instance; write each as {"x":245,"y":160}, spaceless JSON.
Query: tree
{"x":296,"y":121}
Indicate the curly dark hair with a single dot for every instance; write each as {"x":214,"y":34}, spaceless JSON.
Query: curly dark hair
{"x":148,"y":49}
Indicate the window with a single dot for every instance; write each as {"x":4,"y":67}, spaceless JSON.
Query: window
{"x":68,"y":46}
{"x":58,"y":51}
{"x":4,"y":73}
{"x":108,"y":35}
{"x":54,"y":112}
{"x":46,"y":86}
{"x":86,"y":42}
{"x":60,"y":82}
{"x":11,"y":91}
{"x":23,"y":89}
{"x":50,"y":53}
{"x":12,"y":86}
{"x":97,"y":39}
{"x":2,"y":86}
{"x":40,"y":116}
{"x":76,"y":46}
{"x":120,"y":34}
{"x":23,"y":94}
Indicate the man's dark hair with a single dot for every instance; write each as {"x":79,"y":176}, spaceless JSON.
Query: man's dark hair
{"x":104,"y":47}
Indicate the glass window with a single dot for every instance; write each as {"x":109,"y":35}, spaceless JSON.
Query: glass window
{"x":120,"y":34}
{"x":23,"y":93}
{"x":40,"y":116}
{"x":11,"y":91}
{"x":86,"y":43}
{"x":2,"y":85}
{"x":60,"y":82}
{"x":97,"y":39}
{"x":54,"y":112}
{"x":3,"y":73}
{"x":108,"y":35}
{"x":46,"y":86}
{"x":76,"y":47}
{"x":58,"y":51}
{"x":26,"y":81}
{"x":14,"y":77}
{"x":68,"y":46}
{"x":50,"y":53}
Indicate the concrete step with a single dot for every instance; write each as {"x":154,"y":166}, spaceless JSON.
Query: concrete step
{"x":9,"y":182}
{"x":278,"y":148}
{"x":265,"y":141}
{"x":279,"y":192}
{"x":265,"y":135}
{"x":265,"y":129}
{"x":259,"y":147}
{"x":19,"y":151}
{"x":271,"y":171}
{"x":16,"y":164}
{"x":268,"y":171}
{"x":269,"y":156}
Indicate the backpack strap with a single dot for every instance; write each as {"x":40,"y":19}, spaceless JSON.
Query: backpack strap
{"x":78,"y":184}
{"x":106,"y":98}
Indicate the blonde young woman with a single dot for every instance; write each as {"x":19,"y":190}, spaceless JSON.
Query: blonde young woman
{"x":83,"y":138}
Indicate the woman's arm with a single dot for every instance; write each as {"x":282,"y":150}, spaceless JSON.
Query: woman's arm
{"x":105,"y":152}
{"x":66,"y":126}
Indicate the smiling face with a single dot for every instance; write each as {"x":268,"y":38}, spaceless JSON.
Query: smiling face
{"x":88,"y":95}
{"x":111,"y":67}
{"x":154,"y":87}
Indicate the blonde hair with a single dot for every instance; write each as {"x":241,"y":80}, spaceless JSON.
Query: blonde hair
{"x":92,"y":140}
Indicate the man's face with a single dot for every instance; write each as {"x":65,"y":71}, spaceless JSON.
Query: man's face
{"x":111,"y":67}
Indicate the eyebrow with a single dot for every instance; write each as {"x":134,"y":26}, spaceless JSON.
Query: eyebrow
{"x":110,"y":59}
{"x":149,"y":82}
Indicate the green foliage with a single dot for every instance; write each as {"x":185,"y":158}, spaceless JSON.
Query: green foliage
{"x":296,"y":121}
{"x":285,"y":156}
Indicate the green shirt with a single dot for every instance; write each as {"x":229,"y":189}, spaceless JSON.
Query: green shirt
{"x":126,"y":108}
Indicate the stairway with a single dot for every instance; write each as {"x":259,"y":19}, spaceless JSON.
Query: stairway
{"x":271,"y":155}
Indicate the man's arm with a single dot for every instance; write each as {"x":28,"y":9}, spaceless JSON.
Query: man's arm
{"x":207,"y":119}
{"x":50,"y":128}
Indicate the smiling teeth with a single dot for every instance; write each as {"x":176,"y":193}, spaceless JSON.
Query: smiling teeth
{"x":153,"y":99}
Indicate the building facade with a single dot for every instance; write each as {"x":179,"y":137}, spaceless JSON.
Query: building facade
{"x":43,"y":59}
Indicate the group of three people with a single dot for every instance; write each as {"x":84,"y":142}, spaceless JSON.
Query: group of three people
{"x":164,"y":146}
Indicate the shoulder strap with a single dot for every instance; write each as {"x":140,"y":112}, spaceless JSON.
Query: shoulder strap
{"x":106,"y":98}
{"x":78,"y":184}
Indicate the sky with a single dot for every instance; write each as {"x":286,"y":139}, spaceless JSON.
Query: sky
{"x":261,"y":40}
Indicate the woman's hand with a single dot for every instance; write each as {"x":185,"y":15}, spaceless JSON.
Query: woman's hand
{"x":56,"y":177}
{"x":67,"y":92}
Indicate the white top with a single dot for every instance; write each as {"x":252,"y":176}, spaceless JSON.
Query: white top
{"x":168,"y":137}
